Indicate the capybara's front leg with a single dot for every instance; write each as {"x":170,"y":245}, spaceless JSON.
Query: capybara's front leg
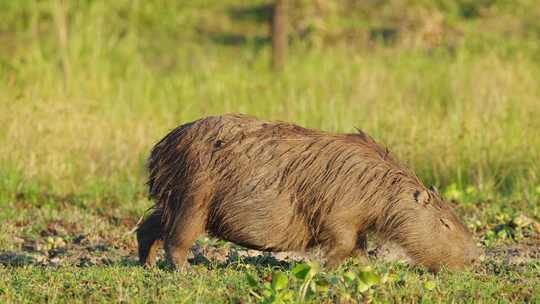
{"x":361,"y":248}
{"x":149,"y":239}
{"x":342,"y":244}
{"x":186,"y":228}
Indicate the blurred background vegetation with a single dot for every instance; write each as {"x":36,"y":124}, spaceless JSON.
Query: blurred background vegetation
{"x":88,"y":86}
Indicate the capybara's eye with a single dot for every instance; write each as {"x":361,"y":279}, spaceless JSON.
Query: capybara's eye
{"x":218,"y":143}
{"x":416,"y":195}
{"x":421,"y":197}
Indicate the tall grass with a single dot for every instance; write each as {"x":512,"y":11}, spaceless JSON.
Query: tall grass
{"x":82,"y":105}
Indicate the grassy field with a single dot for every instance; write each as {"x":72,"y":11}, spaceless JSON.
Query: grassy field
{"x":87,"y":87}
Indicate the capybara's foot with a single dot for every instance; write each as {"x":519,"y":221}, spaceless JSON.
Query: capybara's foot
{"x":337,"y":255}
{"x":177,"y":259}
{"x":340,"y":247}
{"x":333,"y":262}
{"x":361,"y":256}
{"x":150,"y":260}
{"x":176,"y":253}
{"x":184,"y":232}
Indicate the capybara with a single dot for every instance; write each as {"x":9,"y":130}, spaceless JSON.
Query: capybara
{"x":275,"y":186}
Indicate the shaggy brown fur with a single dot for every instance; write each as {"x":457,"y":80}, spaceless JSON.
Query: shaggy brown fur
{"x":276,"y":186}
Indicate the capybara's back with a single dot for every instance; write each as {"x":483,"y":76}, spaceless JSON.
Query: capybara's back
{"x":276,"y":186}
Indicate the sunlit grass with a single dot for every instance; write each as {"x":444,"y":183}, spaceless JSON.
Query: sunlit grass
{"x":459,"y":118}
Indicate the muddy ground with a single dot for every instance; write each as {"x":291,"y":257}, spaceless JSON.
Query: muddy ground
{"x":55,"y":246}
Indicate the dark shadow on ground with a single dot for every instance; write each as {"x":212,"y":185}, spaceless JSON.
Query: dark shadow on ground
{"x":262,"y":260}
{"x":13,"y":259}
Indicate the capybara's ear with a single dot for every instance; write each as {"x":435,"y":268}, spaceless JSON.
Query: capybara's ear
{"x":434,"y":189}
{"x":421,"y":197}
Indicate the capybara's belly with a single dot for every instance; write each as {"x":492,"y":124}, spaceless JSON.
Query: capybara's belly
{"x":260,"y":223}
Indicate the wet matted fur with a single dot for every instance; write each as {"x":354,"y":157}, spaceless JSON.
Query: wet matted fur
{"x":275,"y":186}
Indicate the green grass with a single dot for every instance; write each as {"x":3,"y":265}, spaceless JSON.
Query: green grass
{"x":127,"y":283}
{"x":247,"y":283}
{"x":78,"y":119}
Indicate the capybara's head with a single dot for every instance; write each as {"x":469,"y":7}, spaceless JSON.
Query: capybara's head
{"x":432,"y":234}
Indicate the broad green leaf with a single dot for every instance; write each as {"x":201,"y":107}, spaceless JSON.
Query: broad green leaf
{"x":368,"y":276}
{"x":301,"y":271}
{"x":279,"y":280}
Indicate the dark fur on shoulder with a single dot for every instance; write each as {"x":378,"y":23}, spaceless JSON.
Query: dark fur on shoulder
{"x":276,"y":186}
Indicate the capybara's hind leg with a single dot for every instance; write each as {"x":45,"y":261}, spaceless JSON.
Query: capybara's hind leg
{"x":149,"y":239}
{"x":340,"y":247}
{"x":186,"y":228}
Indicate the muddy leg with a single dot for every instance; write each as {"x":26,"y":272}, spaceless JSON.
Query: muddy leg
{"x":186,"y":228}
{"x":342,"y":246}
{"x":149,"y":239}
